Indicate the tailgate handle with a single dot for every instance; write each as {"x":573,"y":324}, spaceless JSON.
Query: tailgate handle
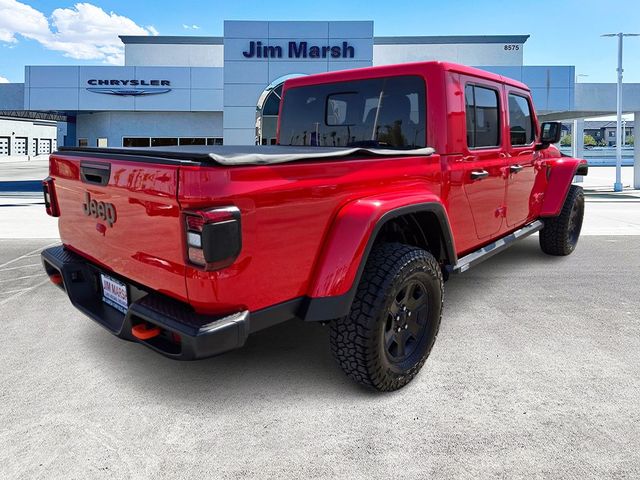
{"x":95,"y":173}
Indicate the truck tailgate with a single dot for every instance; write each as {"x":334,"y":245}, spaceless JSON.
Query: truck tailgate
{"x":124,"y":216}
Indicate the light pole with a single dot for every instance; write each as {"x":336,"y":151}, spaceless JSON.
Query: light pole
{"x":617,"y":187}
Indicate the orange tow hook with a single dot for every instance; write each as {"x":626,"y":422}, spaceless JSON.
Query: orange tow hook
{"x":56,"y":279}
{"x":144,"y":331}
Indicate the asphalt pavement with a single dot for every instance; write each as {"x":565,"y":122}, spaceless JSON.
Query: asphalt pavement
{"x":535,"y":374}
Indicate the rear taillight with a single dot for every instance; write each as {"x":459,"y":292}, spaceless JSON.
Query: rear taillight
{"x":213,"y":237}
{"x":50,"y":200}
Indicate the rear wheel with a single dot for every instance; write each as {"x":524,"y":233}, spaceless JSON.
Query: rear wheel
{"x":560,"y":234}
{"x":394,"y":319}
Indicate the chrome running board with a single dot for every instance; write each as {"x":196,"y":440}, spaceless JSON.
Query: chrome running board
{"x":473,"y":258}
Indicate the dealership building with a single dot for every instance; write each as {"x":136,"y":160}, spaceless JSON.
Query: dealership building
{"x":215,"y":90}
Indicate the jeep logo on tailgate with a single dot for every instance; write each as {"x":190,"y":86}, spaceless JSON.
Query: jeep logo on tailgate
{"x":102,"y":210}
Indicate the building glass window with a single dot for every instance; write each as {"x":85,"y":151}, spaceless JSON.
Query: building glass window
{"x":192,"y":141}
{"x":169,"y":141}
{"x":83,"y":142}
{"x":272,"y":104}
{"x":164,"y":142}
{"x":483,"y":120}
{"x":520,"y":120}
{"x":136,"y":142}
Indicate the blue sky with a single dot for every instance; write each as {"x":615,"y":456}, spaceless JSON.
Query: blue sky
{"x":45,"y":32}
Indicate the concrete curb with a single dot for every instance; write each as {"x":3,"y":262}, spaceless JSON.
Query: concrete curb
{"x":24,"y":160}
{"x":611,"y":195}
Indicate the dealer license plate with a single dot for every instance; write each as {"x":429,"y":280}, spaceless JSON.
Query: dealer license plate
{"x":114,"y":293}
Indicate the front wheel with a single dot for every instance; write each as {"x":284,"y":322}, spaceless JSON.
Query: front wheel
{"x":560,"y":234}
{"x":394,"y":318}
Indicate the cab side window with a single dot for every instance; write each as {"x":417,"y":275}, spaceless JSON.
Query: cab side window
{"x":483,"y":117}
{"x":520,"y":120}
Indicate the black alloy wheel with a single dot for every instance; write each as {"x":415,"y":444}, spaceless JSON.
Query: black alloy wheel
{"x":394,"y":319}
{"x":560,"y":234}
{"x":406,"y":321}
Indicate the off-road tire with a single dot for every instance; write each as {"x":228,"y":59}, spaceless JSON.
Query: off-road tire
{"x":560,"y":234}
{"x":359,"y":340}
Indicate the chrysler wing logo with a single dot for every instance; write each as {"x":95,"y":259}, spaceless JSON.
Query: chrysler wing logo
{"x":128,"y":88}
{"x":129,"y":92}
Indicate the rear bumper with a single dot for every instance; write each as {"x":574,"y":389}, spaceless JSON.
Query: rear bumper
{"x":184,"y":334}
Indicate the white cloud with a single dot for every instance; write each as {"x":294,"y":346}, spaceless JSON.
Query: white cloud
{"x":18,"y":18}
{"x":85,"y":32}
{"x":190,"y":27}
{"x":3,"y":80}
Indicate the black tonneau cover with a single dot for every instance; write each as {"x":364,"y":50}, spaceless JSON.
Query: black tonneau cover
{"x":243,"y":154}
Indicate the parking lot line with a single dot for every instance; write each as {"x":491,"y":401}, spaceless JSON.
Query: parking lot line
{"x":33,"y":253}
{"x":22,"y":266}
{"x":18,"y":293}
{"x":20,"y":278}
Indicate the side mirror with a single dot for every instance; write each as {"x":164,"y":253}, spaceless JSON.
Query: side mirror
{"x":550,"y":132}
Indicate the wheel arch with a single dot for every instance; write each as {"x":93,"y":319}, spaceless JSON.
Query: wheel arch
{"x":560,"y":173}
{"x":354,"y":233}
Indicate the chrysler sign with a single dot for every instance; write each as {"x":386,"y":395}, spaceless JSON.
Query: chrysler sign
{"x":128,"y":87}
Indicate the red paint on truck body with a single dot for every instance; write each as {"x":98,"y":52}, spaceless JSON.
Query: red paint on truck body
{"x":305,"y":225}
{"x":146,"y":243}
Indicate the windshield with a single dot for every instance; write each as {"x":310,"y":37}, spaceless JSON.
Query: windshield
{"x":381,"y":112}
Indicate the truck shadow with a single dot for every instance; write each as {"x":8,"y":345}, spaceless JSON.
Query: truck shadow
{"x":291,"y":357}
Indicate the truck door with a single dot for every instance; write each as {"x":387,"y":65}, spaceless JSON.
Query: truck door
{"x":520,"y":158}
{"x":484,"y":157}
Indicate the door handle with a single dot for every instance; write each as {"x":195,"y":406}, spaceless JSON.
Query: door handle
{"x":479,"y":174}
{"x":515,"y":168}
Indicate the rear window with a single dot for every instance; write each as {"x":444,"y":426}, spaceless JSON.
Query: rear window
{"x":385,"y":112}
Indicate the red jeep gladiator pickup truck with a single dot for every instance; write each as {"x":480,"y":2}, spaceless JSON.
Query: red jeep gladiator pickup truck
{"x":385,"y":181}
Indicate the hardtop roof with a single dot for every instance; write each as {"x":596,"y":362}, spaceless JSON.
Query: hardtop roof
{"x":400,"y":69}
